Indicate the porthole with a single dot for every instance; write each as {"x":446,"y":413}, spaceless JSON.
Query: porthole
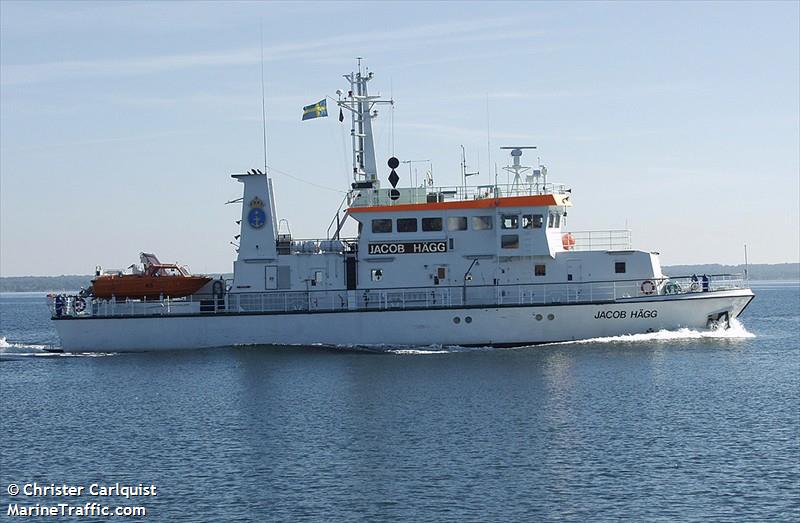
{"x":538,"y":317}
{"x":456,"y":320}
{"x":551,"y":317}
{"x":468,"y":319}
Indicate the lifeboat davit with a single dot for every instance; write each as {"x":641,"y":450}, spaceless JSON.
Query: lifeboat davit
{"x":155,"y":280}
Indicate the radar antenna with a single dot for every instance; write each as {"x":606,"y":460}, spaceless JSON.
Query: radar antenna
{"x":518,"y":169}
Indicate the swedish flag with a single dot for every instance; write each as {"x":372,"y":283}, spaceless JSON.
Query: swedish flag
{"x":315,"y":110}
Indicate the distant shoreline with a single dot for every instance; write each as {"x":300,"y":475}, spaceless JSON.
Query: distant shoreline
{"x":756,"y":272}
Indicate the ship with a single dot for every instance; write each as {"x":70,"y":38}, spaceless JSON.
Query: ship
{"x":468,"y":265}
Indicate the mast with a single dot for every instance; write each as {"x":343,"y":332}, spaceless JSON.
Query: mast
{"x":361,"y":104}
{"x":518,"y":169}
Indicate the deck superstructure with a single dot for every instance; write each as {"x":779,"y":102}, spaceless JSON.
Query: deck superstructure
{"x":469,"y":265}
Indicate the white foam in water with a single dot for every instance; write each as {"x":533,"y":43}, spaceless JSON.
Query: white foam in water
{"x":417,"y":351}
{"x":735,"y":331}
{"x":5,"y":345}
{"x":14,"y":350}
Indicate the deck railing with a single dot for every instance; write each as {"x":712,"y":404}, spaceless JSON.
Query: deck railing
{"x":399,"y":298}
{"x":407,"y":195}
{"x":612,"y":240}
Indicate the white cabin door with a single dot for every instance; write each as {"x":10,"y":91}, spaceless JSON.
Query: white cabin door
{"x":270,"y":277}
{"x":574,"y":270}
{"x":574,"y":275}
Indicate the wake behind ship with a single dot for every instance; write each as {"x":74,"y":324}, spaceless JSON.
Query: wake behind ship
{"x":487,"y":265}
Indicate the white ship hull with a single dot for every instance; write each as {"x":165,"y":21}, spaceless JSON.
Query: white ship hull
{"x":471,"y":326}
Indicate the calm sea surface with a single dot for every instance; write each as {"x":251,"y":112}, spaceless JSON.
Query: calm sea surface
{"x":662,"y":427}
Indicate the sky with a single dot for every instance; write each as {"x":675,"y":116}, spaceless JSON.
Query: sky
{"x":121,"y":122}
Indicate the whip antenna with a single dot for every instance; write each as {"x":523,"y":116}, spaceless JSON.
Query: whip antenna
{"x":263,"y":99}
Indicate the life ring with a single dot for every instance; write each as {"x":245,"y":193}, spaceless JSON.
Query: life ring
{"x":568,"y":241}
{"x":648,"y":287}
{"x":79,"y":304}
{"x":695,"y":286}
{"x":672,"y":288}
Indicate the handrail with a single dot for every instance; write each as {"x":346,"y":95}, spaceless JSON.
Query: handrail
{"x":612,"y":239}
{"x":470,"y":286}
{"x":411,"y":195}
{"x":333,"y":220}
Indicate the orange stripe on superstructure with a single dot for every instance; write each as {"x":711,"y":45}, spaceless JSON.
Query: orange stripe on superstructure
{"x":539,"y":200}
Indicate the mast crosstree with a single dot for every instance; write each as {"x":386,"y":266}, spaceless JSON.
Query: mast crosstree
{"x":362,"y":110}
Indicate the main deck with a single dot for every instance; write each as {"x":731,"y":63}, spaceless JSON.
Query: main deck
{"x":406,"y":298}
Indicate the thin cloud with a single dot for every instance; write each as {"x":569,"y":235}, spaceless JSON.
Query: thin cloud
{"x":414,"y":36}
{"x":472,"y":133}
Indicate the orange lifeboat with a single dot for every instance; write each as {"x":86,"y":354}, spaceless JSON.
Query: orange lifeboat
{"x":156,"y":280}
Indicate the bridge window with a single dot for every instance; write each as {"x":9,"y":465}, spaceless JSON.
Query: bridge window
{"x":532,"y":221}
{"x":619,"y":267}
{"x":432,"y":224}
{"x":456,"y":223}
{"x":482,"y":223}
{"x":539,"y":270}
{"x":509,"y":221}
{"x":381,"y":226}
{"x":406,"y":225}
{"x":509,"y":241}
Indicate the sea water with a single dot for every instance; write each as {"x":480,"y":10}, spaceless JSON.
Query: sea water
{"x":669,"y":426}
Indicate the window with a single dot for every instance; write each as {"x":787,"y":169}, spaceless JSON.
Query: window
{"x":551,"y":220}
{"x":539,"y":270}
{"x":509,"y":241}
{"x":431,"y":224}
{"x":482,"y":223}
{"x":406,"y":225}
{"x":381,"y":226}
{"x":527,"y":221}
{"x":558,"y":220}
{"x":619,"y":267}
{"x":376,"y":274}
{"x":456,"y":223}
{"x":509,"y":221}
